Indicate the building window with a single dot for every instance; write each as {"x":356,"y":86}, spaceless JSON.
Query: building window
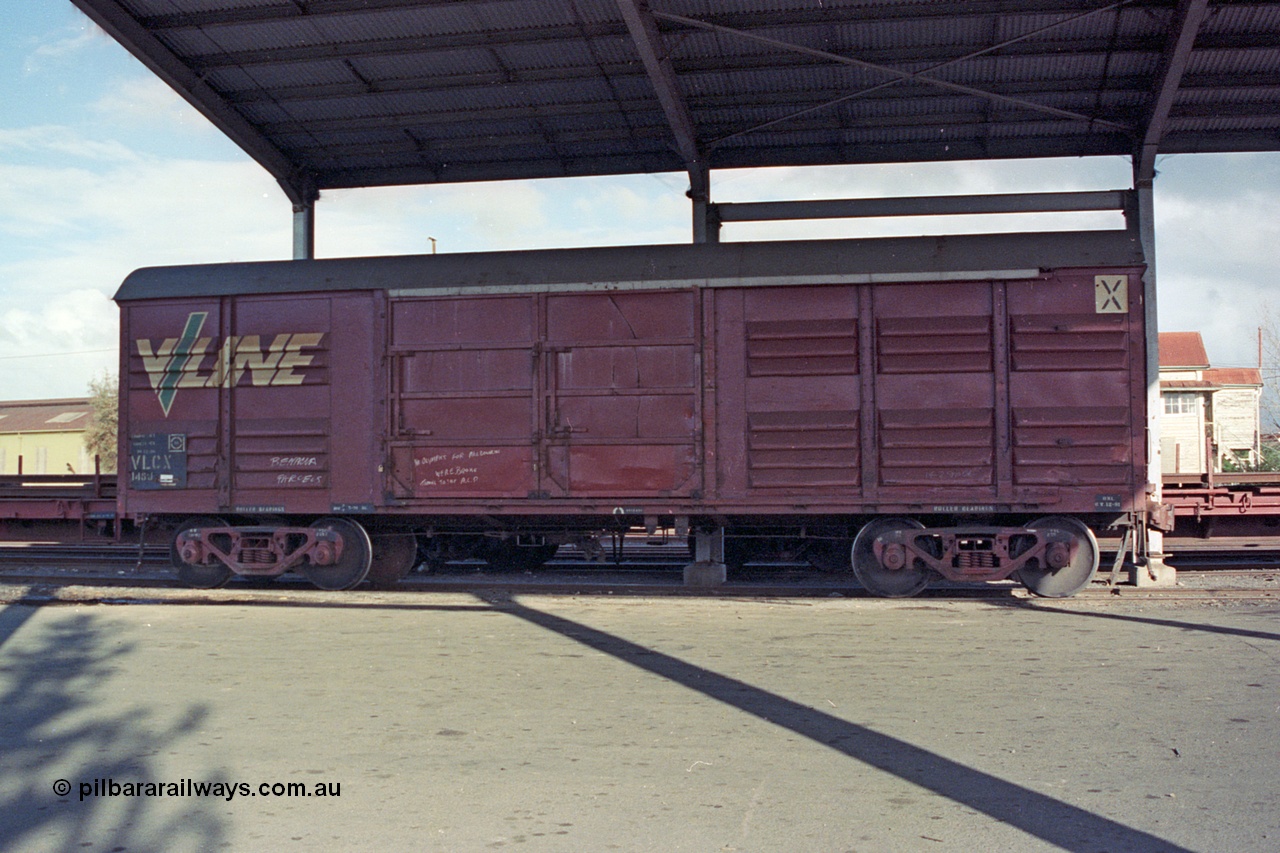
{"x":1179,"y":403}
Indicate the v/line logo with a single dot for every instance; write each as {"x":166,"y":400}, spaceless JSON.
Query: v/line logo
{"x":179,"y":362}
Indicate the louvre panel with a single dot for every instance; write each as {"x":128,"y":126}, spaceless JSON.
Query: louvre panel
{"x":802,"y":347}
{"x":930,"y":447}
{"x":803,"y":448}
{"x":934,"y":344}
{"x":1070,"y":342}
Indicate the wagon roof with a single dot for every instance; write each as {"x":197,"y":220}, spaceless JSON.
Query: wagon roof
{"x":723,"y":264}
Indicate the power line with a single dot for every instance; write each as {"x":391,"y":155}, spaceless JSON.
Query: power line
{"x":54,"y":355}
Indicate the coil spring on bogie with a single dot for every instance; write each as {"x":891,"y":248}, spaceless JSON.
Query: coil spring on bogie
{"x":977,"y":560}
{"x":256,"y":556}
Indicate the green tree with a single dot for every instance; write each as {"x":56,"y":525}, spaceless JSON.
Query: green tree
{"x":1269,"y":365}
{"x":100,"y":437}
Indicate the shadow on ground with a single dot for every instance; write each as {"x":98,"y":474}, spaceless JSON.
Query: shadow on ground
{"x":54,"y":674}
{"x":1054,"y":821}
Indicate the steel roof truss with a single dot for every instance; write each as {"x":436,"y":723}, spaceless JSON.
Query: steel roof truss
{"x":923,"y":76}
{"x":657,"y":63}
{"x":897,"y":74}
{"x":1173,"y":63}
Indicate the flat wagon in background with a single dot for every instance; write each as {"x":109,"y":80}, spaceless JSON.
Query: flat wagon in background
{"x":965,"y":407}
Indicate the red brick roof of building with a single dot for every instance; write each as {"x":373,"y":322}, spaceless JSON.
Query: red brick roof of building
{"x":1183,"y":350}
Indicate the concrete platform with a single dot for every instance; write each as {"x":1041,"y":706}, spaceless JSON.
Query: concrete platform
{"x":454,"y":723}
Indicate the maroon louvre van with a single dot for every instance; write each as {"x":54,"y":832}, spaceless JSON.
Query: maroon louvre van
{"x":965,"y":407}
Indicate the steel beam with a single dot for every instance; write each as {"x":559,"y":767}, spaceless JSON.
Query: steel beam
{"x":657,"y":64}
{"x":894,"y":73}
{"x":1155,"y":572}
{"x":1173,"y":63}
{"x":304,"y":217}
{"x":304,"y":231}
{"x":1186,"y":23}
{"x":958,"y":205}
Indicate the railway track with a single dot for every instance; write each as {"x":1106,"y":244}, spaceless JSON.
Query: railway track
{"x":644,"y":571}
{"x":56,"y":570}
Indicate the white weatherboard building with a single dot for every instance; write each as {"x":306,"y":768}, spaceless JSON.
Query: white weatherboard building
{"x":1211,"y":414}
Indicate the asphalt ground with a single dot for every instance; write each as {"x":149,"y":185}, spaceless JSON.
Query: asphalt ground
{"x":488,"y":721}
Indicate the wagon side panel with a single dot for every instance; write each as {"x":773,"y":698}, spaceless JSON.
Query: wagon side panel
{"x":788,"y":400}
{"x":1078,"y":390}
{"x":170,"y":424}
{"x":937,"y":393}
{"x":622,"y":392}
{"x":252,"y":405}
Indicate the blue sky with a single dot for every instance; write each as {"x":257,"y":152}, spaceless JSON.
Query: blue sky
{"x":103,"y":170}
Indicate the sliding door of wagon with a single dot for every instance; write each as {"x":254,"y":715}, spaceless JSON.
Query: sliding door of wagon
{"x":621,"y":387}
{"x":463,"y":397}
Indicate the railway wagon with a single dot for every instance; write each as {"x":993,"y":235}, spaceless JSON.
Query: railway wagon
{"x":968,"y":407}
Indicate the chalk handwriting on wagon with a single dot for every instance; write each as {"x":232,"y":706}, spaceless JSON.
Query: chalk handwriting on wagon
{"x":181,"y":362}
{"x":450,"y":467}
{"x":295,"y":462}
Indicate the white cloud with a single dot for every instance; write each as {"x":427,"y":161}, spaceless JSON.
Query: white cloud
{"x":1217,"y":233}
{"x":71,"y":232}
{"x":150,"y":101}
{"x":500,"y":216}
{"x":67,"y":42}
{"x":64,"y":142}
{"x":69,"y":236}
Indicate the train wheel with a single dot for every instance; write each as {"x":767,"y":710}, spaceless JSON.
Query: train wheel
{"x":886,"y":583}
{"x":198,"y":575}
{"x":394,"y":556}
{"x":352,"y":566}
{"x":1079,"y":570}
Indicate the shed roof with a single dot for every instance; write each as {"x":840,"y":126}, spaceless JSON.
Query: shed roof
{"x":28,"y":416}
{"x":345,"y":93}
{"x":1182,"y":350}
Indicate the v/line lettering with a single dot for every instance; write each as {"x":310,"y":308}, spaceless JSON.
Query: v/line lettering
{"x":181,"y":362}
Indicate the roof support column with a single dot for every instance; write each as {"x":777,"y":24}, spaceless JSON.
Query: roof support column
{"x":706,"y":216}
{"x":1156,"y":572}
{"x":657,"y":65}
{"x":1187,"y":18}
{"x":303,"y":194}
{"x":304,"y":231}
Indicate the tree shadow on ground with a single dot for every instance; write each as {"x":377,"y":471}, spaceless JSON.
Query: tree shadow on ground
{"x":55,"y":668}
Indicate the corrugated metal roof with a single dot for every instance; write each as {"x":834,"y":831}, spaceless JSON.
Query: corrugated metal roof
{"x":1249,"y":376}
{"x":28,"y":416}
{"x":336,"y":93}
